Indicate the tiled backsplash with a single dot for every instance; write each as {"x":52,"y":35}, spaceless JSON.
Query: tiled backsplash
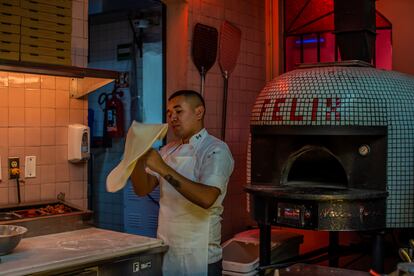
{"x":245,"y":82}
{"x":35,"y":111}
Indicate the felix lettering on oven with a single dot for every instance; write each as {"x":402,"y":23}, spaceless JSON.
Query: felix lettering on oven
{"x":329,"y":108}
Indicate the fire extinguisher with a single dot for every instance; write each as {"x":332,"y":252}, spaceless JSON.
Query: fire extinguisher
{"x":113,"y":114}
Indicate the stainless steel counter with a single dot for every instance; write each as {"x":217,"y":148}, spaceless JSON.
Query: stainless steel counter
{"x":72,"y":249}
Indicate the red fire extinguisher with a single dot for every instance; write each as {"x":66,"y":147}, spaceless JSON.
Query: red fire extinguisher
{"x":113,"y":114}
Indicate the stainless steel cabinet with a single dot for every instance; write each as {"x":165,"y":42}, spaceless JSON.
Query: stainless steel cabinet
{"x":147,"y":263}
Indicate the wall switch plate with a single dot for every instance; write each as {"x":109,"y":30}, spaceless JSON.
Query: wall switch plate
{"x":30,"y":167}
{"x":13,"y":164}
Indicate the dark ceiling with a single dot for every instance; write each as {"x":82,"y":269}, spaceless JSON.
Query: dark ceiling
{"x":119,"y":10}
{"x":110,"y":11}
{"x":111,"y":5}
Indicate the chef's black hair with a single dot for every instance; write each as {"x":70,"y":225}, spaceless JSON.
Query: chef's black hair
{"x":188,"y":94}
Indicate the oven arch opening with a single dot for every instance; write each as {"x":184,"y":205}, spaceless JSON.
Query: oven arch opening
{"x":314,"y":166}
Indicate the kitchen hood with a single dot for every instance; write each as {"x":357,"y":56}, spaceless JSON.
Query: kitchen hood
{"x":83,"y":80}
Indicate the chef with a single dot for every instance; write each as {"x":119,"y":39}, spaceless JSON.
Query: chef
{"x":193,"y":173}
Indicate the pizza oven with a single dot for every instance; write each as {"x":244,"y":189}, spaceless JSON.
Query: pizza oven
{"x":320,"y":177}
{"x":332,"y":144}
{"x":332,"y":149}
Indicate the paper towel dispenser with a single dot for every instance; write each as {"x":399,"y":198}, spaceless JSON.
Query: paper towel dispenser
{"x":78,"y":143}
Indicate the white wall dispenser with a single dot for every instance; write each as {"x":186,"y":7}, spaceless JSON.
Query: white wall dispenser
{"x":78,"y":143}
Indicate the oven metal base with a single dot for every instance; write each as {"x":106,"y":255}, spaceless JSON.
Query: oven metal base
{"x":353,"y":210}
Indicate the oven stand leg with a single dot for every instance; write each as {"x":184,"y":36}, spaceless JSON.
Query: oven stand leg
{"x":265,"y":245}
{"x":378,"y":252}
{"x":333,"y":249}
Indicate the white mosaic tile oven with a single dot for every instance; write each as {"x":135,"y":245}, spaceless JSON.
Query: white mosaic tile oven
{"x":342,"y":136}
{"x":332,"y":149}
{"x":332,"y":145}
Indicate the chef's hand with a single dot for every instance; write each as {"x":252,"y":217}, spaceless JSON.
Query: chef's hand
{"x":153,"y":161}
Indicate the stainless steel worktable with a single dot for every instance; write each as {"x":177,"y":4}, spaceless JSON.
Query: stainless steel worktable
{"x":72,"y":249}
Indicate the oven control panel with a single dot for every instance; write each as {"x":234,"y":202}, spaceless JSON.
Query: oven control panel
{"x":296,"y":215}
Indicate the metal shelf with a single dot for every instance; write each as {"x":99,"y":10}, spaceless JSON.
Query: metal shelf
{"x":84,"y":80}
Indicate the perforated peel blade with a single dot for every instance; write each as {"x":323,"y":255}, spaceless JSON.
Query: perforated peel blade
{"x":229,"y":48}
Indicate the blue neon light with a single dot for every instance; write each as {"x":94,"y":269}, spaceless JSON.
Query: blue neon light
{"x":310,"y":41}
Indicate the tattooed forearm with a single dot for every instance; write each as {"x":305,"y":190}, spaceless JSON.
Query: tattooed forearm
{"x":172,"y":181}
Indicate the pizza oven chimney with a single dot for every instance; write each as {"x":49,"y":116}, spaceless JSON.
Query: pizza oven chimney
{"x":355,"y":29}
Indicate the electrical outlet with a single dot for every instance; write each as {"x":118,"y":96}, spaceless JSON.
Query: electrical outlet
{"x":14,"y":163}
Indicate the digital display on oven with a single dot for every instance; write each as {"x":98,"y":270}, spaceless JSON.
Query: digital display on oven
{"x":297,"y":215}
{"x":291,"y":213}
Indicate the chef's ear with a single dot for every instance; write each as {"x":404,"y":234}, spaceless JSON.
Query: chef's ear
{"x":199,"y":111}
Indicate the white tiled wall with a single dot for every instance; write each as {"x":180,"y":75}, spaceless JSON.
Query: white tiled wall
{"x":245,"y":83}
{"x":35,"y":111}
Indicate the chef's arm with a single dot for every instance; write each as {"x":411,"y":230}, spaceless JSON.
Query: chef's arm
{"x":142,"y":182}
{"x":198,"y":193}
